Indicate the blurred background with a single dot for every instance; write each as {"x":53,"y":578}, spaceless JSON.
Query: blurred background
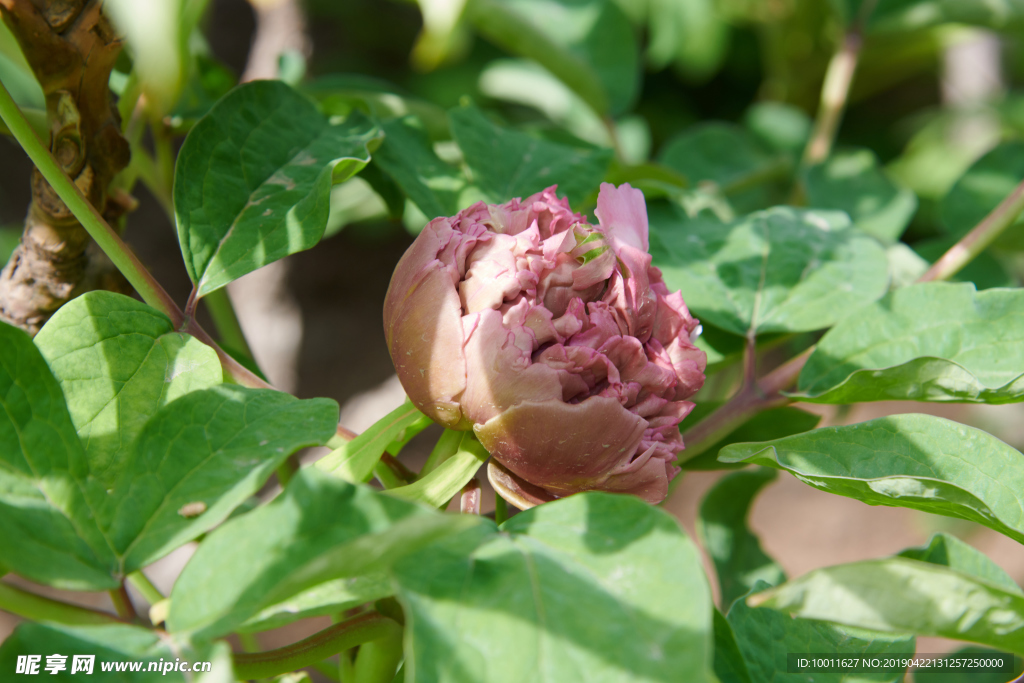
{"x":936,"y":88}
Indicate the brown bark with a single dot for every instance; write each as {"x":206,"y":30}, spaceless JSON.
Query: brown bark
{"x":71,"y":47}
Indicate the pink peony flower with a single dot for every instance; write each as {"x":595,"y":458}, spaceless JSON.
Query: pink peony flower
{"x":555,"y":341}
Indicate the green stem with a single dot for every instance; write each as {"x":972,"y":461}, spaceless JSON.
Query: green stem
{"x":978,"y":239}
{"x":362,"y":629}
{"x":218,"y":303}
{"x":378,"y":659}
{"x":141,"y":583}
{"x":500,"y":509}
{"x":145,"y":169}
{"x":105,"y":236}
{"x":22,"y":603}
{"x":446,"y":447}
{"x":834,"y":93}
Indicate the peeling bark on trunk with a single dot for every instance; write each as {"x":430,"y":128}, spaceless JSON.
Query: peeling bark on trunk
{"x":71,"y":47}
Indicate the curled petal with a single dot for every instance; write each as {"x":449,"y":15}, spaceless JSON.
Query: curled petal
{"x":622,"y":213}
{"x":520,"y":493}
{"x":563,"y":447}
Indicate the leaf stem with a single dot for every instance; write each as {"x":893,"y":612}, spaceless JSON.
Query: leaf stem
{"x":377,"y":661}
{"x":763,"y":394}
{"x":219,"y":305}
{"x":834,"y":93}
{"x":141,"y":583}
{"x":26,"y":604}
{"x":105,"y":236}
{"x":364,"y":628}
{"x":123,"y":603}
{"x":500,"y":509}
{"x":979,"y":238}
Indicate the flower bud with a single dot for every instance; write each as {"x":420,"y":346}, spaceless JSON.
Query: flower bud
{"x":554,"y":340}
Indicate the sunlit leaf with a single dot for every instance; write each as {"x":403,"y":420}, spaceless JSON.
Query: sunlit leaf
{"x":928,"y":342}
{"x":595,"y":587}
{"x":253,"y":180}
{"x":915,"y":461}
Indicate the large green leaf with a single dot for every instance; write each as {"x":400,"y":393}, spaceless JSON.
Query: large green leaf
{"x":318,"y":530}
{"x":594,"y":587}
{"x":507,"y":163}
{"x":933,"y":341}
{"x":740,"y":563}
{"x":982,"y":187}
{"x":730,"y":666}
{"x":767,"y":637}
{"x":728,"y":156}
{"x":852,"y":181}
{"x":117,"y":650}
{"x":406,"y":156}
{"x":49,"y":533}
{"x":906,"y":596}
{"x":780,"y":270}
{"x":253,"y":179}
{"x":914,"y":461}
{"x":588,"y":44}
{"x":118,"y":361}
{"x":950,"y":551}
{"x":200,"y":457}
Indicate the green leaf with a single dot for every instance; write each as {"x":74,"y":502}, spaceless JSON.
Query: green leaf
{"x":950,"y":551}
{"x":905,"y":596}
{"x":730,"y":667}
{"x":691,"y":33}
{"x":767,"y":636}
{"x":779,"y":127}
{"x":594,"y":587}
{"x":729,"y":157}
{"x":981,"y":188}
{"x":49,"y":531}
{"x":253,"y":179}
{"x":439,"y":485}
{"x":406,"y":156}
{"x":201,"y":456}
{"x":740,"y":563}
{"x":122,"y":644}
{"x":507,"y":163}
{"x":326,"y":599}
{"x":117,"y":361}
{"x":780,"y":270}
{"x":588,"y":44}
{"x":933,"y":341}
{"x":318,"y":530}
{"x":950,"y":674}
{"x":354,"y":461}
{"x":764,"y":426}
{"x":852,"y":181}
{"x":915,"y":461}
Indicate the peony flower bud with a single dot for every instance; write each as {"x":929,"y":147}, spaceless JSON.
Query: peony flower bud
{"x":555,"y":341}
